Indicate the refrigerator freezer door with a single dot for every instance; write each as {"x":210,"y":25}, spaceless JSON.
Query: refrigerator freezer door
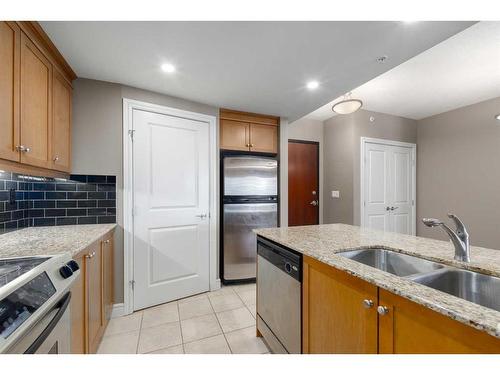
{"x":247,"y":175}
{"x":240,"y":244}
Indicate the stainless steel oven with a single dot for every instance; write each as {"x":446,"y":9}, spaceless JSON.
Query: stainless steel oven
{"x":51,"y":334}
{"x":279,"y":289}
{"x":35,"y":304}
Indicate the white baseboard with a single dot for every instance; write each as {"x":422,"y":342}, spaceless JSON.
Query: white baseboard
{"x":216,"y":285}
{"x":118,"y":310}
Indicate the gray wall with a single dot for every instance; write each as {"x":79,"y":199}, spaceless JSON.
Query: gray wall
{"x":342,"y":136}
{"x":97,"y":139}
{"x":311,"y":130}
{"x":458,"y":170}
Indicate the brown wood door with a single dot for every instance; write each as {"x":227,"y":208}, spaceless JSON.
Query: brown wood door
{"x":94,"y":278}
{"x":335,"y":318}
{"x":234,"y":135}
{"x":264,"y":138}
{"x":108,"y":279}
{"x":78,"y":310}
{"x":303,"y":183}
{"x":10,"y":39}
{"x":410,"y":328}
{"x":61,"y":126}
{"x":36,"y":105}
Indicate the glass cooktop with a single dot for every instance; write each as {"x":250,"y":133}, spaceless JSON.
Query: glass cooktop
{"x":11,"y":269}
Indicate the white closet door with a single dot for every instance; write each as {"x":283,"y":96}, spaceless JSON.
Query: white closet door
{"x":388,"y":194}
{"x":377,"y":186}
{"x":171,"y":202}
{"x":401,"y":188}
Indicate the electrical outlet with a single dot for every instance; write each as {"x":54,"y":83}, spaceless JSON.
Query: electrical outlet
{"x":335,"y":194}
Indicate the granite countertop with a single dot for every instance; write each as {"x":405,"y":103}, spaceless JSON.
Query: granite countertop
{"x":53,"y":240}
{"x":323,"y":242}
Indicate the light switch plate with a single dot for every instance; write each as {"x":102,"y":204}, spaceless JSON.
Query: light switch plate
{"x":335,"y":194}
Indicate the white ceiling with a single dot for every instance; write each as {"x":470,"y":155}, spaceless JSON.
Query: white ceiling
{"x":251,"y":66}
{"x":462,"y":70}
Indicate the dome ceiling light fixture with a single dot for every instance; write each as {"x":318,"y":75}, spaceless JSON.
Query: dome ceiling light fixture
{"x":347,"y":105}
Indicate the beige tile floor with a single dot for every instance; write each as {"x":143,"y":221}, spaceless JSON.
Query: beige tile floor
{"x":220,"y":322}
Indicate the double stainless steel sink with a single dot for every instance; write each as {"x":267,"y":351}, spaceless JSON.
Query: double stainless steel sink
{"x":475,"y":287}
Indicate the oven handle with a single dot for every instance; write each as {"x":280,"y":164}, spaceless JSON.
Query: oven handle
{"x":62,"y":305}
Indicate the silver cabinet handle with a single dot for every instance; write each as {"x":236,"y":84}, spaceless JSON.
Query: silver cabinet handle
{"x":20,"y":148}
{"x":202,"y":216}
{"x":56,"y":158}
{"x":106,"y":241}
{"x":382,"y":310}
{"x":367,"y":303}
{"x":26,"y":149}
{"x":314,"y":203}
{"x":91,"y":255}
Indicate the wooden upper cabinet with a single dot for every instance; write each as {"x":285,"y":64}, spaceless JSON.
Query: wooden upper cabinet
{"x":234,"y":135}
{"x":61,"y":126}
{"x":35,"y":102}
{"x":410,"y":328}
{"x":241,"y":131}
{"x":335,"y":317}
{"x":10,"y":39}
{"x":264,"y":138}
{"x":36,"y":105}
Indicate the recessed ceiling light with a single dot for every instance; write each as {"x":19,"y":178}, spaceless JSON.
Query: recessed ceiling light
{"x":168,"y":68}
{"x":311,"y":85}
{"x":498,"y":117}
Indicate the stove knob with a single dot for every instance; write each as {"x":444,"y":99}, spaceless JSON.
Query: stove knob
{"x":73,"y":265}
{"x":65,"y":271}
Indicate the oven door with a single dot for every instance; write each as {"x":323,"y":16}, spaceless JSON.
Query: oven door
{"x":51,"y":334}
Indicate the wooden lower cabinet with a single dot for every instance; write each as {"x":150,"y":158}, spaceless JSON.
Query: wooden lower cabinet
{"x":410,"y":328}
{"x":335,"y":319}
{"x":92,"y":296}
{"x":339,"y":318}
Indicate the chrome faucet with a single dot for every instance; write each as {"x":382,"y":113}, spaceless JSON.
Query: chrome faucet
{"x":460,"y":238}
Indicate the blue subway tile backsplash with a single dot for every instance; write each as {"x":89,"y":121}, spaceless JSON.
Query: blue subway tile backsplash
{"x":38,"y":201}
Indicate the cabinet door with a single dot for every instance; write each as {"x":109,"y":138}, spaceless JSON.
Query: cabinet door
{"x":264,"y":138}
{"x":108,"y":257}
{"x":335,"y":317}
{"x":410,"y":328}
{"x":78,"y":310}
{"x":234,"y":135}
{"x":61,"y":125}
{"x":36,"y":106}
{"x":94,"y":276}
{"x":10,"y":35}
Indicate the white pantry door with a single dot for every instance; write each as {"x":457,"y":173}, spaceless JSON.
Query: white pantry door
{"x":389,"y":186}
{"x":171,"y":197}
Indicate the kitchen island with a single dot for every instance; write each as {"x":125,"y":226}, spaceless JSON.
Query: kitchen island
{"x":340,"y":296}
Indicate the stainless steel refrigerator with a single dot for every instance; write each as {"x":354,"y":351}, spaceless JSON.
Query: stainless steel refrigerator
{"x":250,"y":200}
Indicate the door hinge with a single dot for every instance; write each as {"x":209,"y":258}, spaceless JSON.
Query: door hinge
{"x":132,"y":284}
{"x":131,"y":134}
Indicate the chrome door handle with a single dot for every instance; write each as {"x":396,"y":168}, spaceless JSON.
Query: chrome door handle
{"x":314,"y":203}
{"x":202,"y":216}
{"x":382,"y":310}
{"x":394,"y":208}
{"x":367,"y":303}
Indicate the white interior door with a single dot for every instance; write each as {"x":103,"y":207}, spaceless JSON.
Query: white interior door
{"x":388,"y":201}
{"x":171,"y":195}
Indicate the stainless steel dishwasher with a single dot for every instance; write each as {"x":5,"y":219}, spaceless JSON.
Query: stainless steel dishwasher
{"x":279,"y":277}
